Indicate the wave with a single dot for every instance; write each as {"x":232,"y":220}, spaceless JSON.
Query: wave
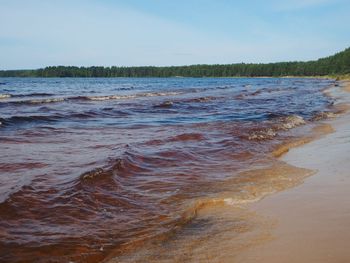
{"x":203,"y":99}
{"x":15,"y":120}
{"x":84,"y":115}
{"x":285,"y":123}
{"x":34,"y":101}
{"x":5,"y":96}
{"x":248,"y":187}
{"x":165,"y":104}
{"x":245,"y":94}
{"x":323,"y":116}
{"x":119,"y":97}
{"x":41,"y":101}
{"x":35,"y":94}
{"x":188,"y":137}
{"x":291,"y":122}
{"x":273,"y":127}
{"x":129,"y":164}
{"x":102,"y":98}
{"x":285,"y":147}
{"x":260,"y":135}
{"x":33,"y":118}
{"x":77,"y":98}
{"x":45,"y":114}
{"x":268,"y":180}
{"x":93,"y":174}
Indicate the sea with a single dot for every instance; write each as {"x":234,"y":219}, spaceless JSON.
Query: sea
{"x":93,"y":169}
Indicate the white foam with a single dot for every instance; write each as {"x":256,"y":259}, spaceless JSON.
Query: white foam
{"x":46,"y":100}
{"x":140,"y":95}
{"x":263,"y":135}
{"x":5,"y":96}
{"x":292,"y":122}
{"x":235,"y":202}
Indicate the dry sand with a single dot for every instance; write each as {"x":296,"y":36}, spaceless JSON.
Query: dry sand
{"x":312,"y":219}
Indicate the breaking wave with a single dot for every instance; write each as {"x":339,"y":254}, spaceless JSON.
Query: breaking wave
{"x":5,"y":96}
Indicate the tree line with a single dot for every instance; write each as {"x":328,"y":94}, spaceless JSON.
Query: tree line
{"x":337,"y":64}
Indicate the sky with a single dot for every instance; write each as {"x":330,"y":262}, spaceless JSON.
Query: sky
{"x":38,"y":33}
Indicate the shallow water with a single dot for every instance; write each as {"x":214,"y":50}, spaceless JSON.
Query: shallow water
{"x":91,"y":166}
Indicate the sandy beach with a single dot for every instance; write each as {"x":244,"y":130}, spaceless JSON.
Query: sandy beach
{"x":312,"y":220}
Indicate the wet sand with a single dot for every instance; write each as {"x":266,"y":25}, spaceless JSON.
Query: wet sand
{"x":312,"y":220}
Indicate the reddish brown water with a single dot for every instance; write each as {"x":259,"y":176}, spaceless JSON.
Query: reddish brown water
{"x":93,"y":167}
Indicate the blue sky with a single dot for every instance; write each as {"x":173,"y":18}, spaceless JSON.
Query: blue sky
{"x":38,"y":33}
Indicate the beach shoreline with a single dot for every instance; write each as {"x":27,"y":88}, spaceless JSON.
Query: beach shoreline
{"x":311,"y":220}
{"x":178,"y":191}
{"x":231,"y":227}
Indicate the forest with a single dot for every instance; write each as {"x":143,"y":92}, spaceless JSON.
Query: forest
{"x":338,"y":64}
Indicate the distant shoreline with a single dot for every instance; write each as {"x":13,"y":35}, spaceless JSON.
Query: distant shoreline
{"x":334,"y":77}
{"x":336,"y":65}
